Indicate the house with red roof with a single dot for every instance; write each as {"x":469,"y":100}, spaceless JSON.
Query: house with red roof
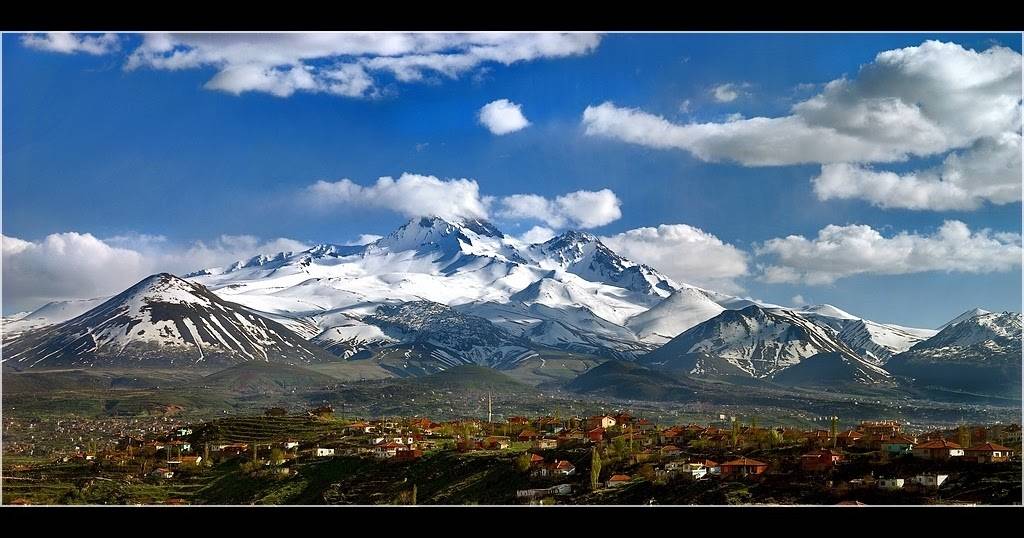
{"x":938,"y":450}
{"x":618,"y":480}
{"x":988,"y":453}
{"x":743,"y":467}
{"x":822,"y":460}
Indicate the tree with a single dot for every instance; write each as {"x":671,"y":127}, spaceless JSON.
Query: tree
{"x":964,"y":436}
{"x":835,"y":429}
{"x":523,"y":462}
{"x":414,"y":494}
{"x":276,"y":455}
{"x":595,"y":468}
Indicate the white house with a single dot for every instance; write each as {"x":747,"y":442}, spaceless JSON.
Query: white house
{"x":288,"y":445}
{"x":929,"y":480}
{"x":890,"y":483}
{"x":324,"y":452}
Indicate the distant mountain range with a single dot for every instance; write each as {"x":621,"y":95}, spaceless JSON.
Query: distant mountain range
{"x":436,"y":294}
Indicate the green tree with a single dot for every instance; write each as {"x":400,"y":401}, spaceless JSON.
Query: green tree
{"x":834,"y":430}
{"x":963,"y":436}
{"x":523,"y":462}
{"x":414,"y":494}
{"x":276,"y":456}
{"x":595,"y":468}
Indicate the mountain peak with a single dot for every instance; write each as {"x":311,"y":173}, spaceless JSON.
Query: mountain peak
{"x":974,"y":312}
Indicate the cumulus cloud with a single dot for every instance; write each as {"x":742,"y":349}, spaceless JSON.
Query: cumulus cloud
{"x":363,"y":239}
{"x":684,"y":253}
{"x":412,"y":195}
{"x":68,"y":43}
{"x":912,"y":102}
{"x":842,"y":251}
{"x":580,"y":209}
{"x":537,"y":234}
{"x":503,"y":117}
{"x":798,"y":300}
{"x":415,"y":195}
{"x":988,"y":171}
{"x":344,"y":63}
{"x":727,"y":93}
{"x":75,"y":265}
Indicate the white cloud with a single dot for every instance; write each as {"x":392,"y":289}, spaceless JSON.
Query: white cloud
{"x":412,"y":195}
{"x":415,"y":195}
{"x":537,"y":234}
{"x":580,"y":209}
{"x":843,"y":251}
{"x":75,"y":265}
{"x":988,"y":171}
{"x":71,"y":43}
{"x":726,"y":93}
{"x":912,"y":102}
{"x":344,"y":63}
{"x":684,"y":253}
{"x":503,"y":117}
{"x":798,"y":300}
{"x":363,"y":239}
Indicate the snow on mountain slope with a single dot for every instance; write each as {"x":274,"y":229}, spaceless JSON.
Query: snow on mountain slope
{"x":980,"y":354}
{"x":996,"y":331}
{"x":451,"y":336}
{"x":585,"y":255}
{"x":874,"y":341}
{"x":161,"y":320}
{"x":461,"y":263}
{"x":757,"y":341}
{"x":50,"y":314}
{"x":964,"y":317}
{"x":685,"y":308}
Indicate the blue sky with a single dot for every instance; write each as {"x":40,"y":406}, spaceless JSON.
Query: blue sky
{"x":92,"y":147}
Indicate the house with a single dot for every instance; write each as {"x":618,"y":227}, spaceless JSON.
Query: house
{"x":323,"y":452}
{"x":536,"y":459}
{"x":674,"y":435}
{"x":713,"y":467}
{"x":692,"y":471}
{"x":324,"y":411}
{"x":388,"y":450}
{"x":191,"y":460}
{"x":497,"y":443}
{"x":290,"y":444}
{"x":890,"y":483}
{"x":623,"y":418}
{"x":878,"y":428}
{"x":408,"y":454}
{"x":669,"y":451}
{"x":528,"y":435}
{"x":530,"y":494}
{"x":518,"y":420}
{"x":644,"y":425}
{"x":603,"y":422}
{"x":542,"y":444}
{"x":928,"y":480}
{"x":743,"y":467}
{"x":938,"y":450}
{"x":988,"y":453}
{"x":596,"y":435}
{"x":848,"y":438}
{"x":896,"y":445}
{"x":563,"y":468}
{"x":820,"y":460}
{"x":618,"y":480}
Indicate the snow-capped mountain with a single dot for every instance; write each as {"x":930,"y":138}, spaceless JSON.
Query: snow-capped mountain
{"x":755,"y":341}
{"x":49,"y":314}
{"x":570,"y":291}
{"x":980,"y":353}
{"x":161,"y":320}
{"x":993,"y":333}
{"x":964,"y":317}
{"x":585,"y":255}
{"x":685,"y":308}
{"x":449,"y":336}
{"x":874,"y":341}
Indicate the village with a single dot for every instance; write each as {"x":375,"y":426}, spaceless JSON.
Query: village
{"x":556,"y":460}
